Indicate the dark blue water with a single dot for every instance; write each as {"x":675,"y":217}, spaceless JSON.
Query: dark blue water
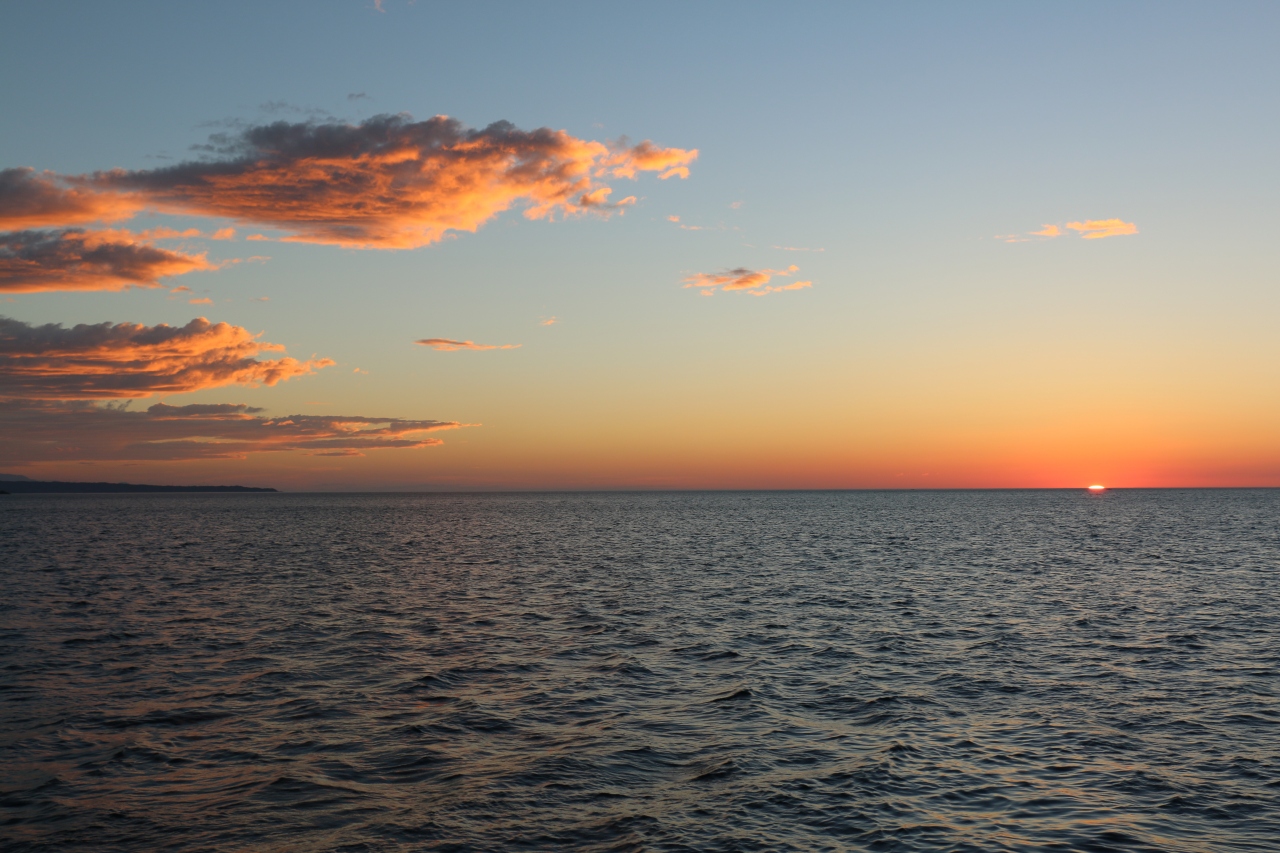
{"x":739,"y":671}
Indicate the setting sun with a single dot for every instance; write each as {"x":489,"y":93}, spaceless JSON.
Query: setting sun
{"x":1097,"y":488}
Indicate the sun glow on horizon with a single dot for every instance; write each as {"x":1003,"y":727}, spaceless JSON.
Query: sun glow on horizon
{"x":1097,"y":488}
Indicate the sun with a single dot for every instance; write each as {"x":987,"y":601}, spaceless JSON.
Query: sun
{"x":1097,"y":488}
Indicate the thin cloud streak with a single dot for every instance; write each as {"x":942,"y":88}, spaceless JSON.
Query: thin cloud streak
{"x":1090,"y":229}
{"x":72,"y":259}
{"x":71,"y":432}
{"x":755,"y":282}
{"x":1096,"y":229}
{"x":125,"y":360}
{"x":449,"y":345}
{"x":388,"y":183}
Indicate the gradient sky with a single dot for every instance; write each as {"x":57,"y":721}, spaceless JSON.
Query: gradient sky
{"x":899,"y":158}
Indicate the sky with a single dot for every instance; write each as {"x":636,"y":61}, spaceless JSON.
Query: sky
{"x":429,"y":246}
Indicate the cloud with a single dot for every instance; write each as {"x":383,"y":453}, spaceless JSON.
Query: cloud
{"x":1094,"y":229}
{"x":106,"y":361}
{"x":33,"y":261}
{"x":755,"y":282}
{"x":646,"y":157}
{"x":599,"y":200}
{"x":1091,"y":229}
{"x":202,"y":300}
{"x":550,"y":321}
{"x":795,"y":285}
{"x":447,"y":345}
{"x":34,"y":200}
{"x":78,"y":431}
{"x":389,"y":182}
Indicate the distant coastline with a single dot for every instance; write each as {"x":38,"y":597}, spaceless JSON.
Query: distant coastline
{"x":14,"y":484}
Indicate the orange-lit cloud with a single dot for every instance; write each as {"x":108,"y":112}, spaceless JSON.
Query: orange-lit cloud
{"x":646,"y":157}
{"x":447,"y":345}
{"x":1094,"y":229}
{"x":1090,"y":229}
{"x":87,"y":260}
{"x":106,"y":361}
{"x":795,"y":285}
{"x":78,"y":431}
{"x":755,"y":282}
{"x":202,"y":300}
{"x":40,"y":200}
{"x":389,"y":182}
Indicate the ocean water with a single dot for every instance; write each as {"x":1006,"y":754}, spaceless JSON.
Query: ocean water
{"x":915,"y":671}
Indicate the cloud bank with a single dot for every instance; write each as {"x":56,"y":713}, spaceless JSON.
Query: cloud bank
{"x":755,"y":282}
{"x":73,"y":259}
{"x":106,"y":361}
{"x":389,"y":182}
{"x":448,"y":345}
{"x":77,"y":431}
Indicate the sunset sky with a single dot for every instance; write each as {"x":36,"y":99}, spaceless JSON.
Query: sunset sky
{"x":352,"y":245}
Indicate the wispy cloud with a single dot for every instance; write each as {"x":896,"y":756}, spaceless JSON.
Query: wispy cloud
{"x":755,"y":282}
{"x":795,"y":285}
{"x":549,"y":321}
{"x":88,"y":260}
{"x":448,"y":345}
{"x":1094,"y":229}
{"x":106,"y":361}
{"x":1091,"y":229}
{"x":389,"y":182}
{"x":200,"y":300}
{"x":69,"y":431}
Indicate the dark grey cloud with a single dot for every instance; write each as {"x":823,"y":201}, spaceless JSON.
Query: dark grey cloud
{"x":64,"y":432}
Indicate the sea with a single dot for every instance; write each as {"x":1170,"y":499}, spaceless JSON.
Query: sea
{"x":681,"y":671}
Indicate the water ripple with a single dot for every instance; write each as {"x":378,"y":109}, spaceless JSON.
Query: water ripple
{"x":747,"y":671}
